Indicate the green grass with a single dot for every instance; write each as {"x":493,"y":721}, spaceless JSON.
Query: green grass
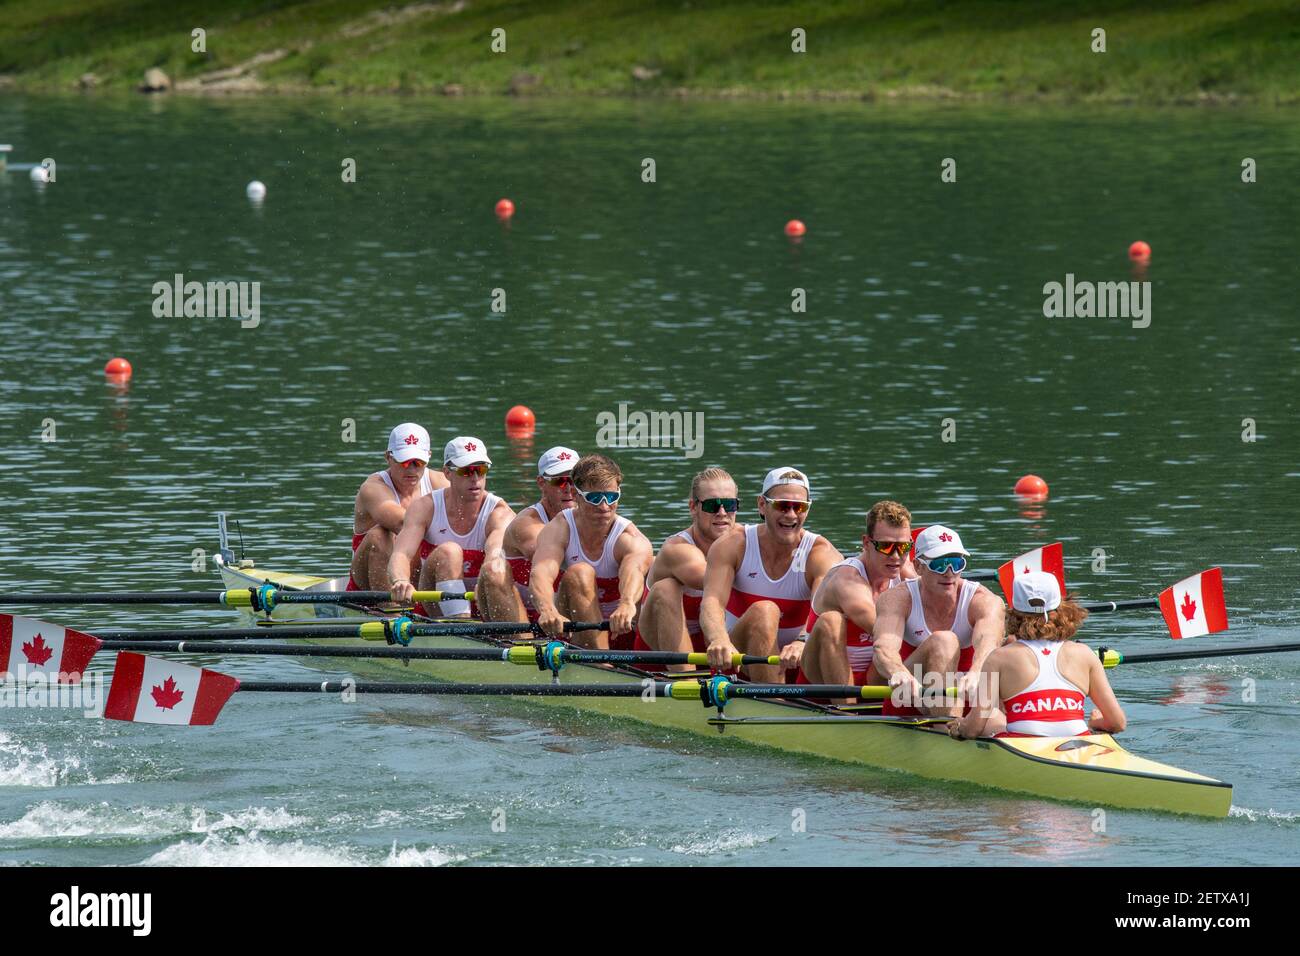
{"x":1158,"y":51}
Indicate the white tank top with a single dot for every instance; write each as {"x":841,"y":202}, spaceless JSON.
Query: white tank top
{"x":606,"y":566}
{"x":859,"y":645}
{"x":426,"y":488}
{"x":521,"y":569}
{"x":473,"y":543}
{"x":790,"y":593}
{"x":1051,"y":706}
{"x":918,"y":630}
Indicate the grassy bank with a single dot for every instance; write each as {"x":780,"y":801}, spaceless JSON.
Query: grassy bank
{"x":1165,"y":51}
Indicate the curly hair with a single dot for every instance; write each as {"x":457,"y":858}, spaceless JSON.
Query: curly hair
{"x":1059,"y":625}
{"x":891,"y":512}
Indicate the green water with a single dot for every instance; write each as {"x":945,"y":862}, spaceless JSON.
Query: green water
{"x":924,"y":304}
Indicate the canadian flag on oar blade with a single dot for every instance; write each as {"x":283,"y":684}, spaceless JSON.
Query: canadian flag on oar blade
{"x":1195,"y":606}
{"x":153,"y":691}
{"x":28,"y":646}
{"x":1049,"y":558}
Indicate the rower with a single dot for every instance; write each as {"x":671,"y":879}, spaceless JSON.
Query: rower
{"x":503,"y":585}
{"x":670,"y":618}
{"x":1042,"y":678}
{"x":609,"y":585}
{"x":942,"y":626}
{"x":464,"y":523}
{"x":759,"y":580}
{"x":381,"y":503}
{"x":843,"y":614}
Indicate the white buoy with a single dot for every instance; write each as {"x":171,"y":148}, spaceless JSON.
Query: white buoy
{"x":256,"y":190}
{"x":40,"y":174}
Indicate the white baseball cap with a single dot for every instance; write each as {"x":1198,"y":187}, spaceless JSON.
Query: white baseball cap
{"x":465,"y":450}
{"x":408,"y":440}
{"x":786,"y":476}
{"x":556,"y":461}
{"x":936,"y":540}
{"x":1036,"y":591}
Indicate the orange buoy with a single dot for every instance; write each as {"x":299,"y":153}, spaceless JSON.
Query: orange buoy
{"x":1139,"y":251}
{"x":118,"y":368}
{"x":505,"y":209}
{"x":795,"y":228}
{"x":1031,"y":486}
{"x":519,"y":417}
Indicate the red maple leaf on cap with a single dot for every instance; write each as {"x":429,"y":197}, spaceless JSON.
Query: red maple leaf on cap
{"x":563,"y":456}
{"x":1189,"y":606}
{"x":411,"y":439}
{"x":945,"y":536}
{"x":470,"y":446}
{"x":167,"y":696}
{"x":37,"y":652}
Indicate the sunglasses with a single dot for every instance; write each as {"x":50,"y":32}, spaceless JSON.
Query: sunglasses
{"x":787,"y":504}
{"x":466,"y":470}
{"x":901,"y":548}
{"x":559,"y":481}
{"x":947,"y":562}
{"x":599,"y":497}
{"x":712,"y":506}
{"x":412,"y":463}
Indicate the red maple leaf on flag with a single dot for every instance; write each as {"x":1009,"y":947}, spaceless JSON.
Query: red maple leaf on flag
{"x":37,"y":652}
{"x":470,"y":446}
{"x":1188,"y":606}
{"x":167,"y":696}
{"x":412,"y":440}
{"x":945,"y":536}
{"x":1026,"y":569}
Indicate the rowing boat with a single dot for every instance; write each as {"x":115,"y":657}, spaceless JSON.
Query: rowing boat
{"x":1094,"y":770}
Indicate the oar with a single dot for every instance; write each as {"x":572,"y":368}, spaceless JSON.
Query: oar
{"x":1113,"y":658}
{"x":1105,"y":606}
{"x":366,"y":630}
{"x":534,"y":654}
{"x":264,"y":598}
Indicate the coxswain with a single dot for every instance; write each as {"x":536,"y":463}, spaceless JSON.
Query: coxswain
{"x":1042,"y":678}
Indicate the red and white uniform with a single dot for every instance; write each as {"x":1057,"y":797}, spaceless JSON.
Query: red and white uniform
{"x":1051,"y":706}
{"x":473,"y":543}
{"x":691,"y":598}
{"x":917,"y":630}
{"x":790,"y":593}
{"x":426,"y":488}
{"x":858,"y":643}
{"x":606,"y":566}
{"x":521,"y":568}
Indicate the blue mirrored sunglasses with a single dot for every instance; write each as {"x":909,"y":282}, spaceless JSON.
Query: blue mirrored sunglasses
{"x":600,"y":497}
{"x":947,"y":562}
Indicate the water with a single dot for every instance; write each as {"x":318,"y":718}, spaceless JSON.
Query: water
{"x":924,"y":304}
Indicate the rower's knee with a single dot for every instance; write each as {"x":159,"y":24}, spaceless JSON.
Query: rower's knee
{"x":828,"y":631}
{"x":665,"y":594}
{"x":378,"y":538}
{"x":495,"y":576}
{"x":942,"y":648}
{"x":579,"y":580}
{"x":448,"y":559}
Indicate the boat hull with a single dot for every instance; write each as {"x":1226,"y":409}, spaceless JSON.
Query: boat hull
{"x":1094,"y":770}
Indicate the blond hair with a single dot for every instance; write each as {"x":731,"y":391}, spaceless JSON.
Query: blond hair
{"x":891,"y":512}
{"x":709,"y":474}
{"x":1059,"y":625}
{"x":596,"y":469}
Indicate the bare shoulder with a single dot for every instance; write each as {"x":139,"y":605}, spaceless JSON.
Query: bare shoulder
{"x":729,"y":547}
{"x":437,"y":480}
{"x":826,"y":551}
{"x":985,"y":602}
{"x":897,"y":599}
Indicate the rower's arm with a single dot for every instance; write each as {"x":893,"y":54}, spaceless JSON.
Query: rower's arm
{"x":719,"y":571}
{"x":1112,"y":715}
{"x":986,"y":705}
{"x":407,"y":545}
{"x":551,"y":542}
{"x":634,"y":554}
{"x":495,"y":531}
{"x":892,"y":609}
{"x":377,"y":501}
{"x":987,"y":617}
{"x":822,"y":556}
{"x":853,"y":597}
